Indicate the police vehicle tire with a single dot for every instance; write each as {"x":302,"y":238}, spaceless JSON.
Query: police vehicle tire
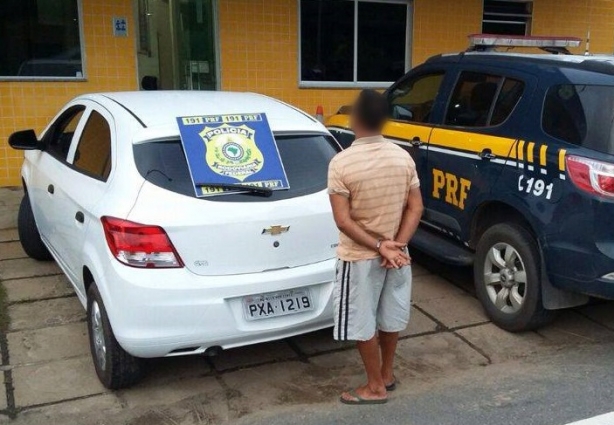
{"x":28,"y":232}
{"x":508,"y":279}
{"x":115,"y":368}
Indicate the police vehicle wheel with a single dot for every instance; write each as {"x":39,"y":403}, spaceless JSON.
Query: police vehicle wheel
{"x":507,"y":278}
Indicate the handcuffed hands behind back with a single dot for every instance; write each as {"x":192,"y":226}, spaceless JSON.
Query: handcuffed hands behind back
{"x":394,"y":255}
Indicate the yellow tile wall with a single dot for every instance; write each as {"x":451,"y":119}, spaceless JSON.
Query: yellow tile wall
{"x":259,"y":46}
{"x":110,"y":65}
{"x":575,"y":18}
{"x":442,"y":26}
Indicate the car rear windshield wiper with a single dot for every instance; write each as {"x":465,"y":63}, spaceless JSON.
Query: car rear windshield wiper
{"x":252,"y":190}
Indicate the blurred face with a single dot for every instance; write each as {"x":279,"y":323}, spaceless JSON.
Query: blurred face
{"x":355,"y":124}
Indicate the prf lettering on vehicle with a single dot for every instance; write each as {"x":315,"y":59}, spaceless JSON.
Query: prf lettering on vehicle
{"x":456,"y":189}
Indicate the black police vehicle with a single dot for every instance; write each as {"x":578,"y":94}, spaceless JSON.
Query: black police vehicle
{"x":516,"y":158}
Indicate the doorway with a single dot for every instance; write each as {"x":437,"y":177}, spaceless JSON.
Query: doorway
{"x":176,"y":45}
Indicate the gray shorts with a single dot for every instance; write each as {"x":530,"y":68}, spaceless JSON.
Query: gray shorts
{"x":368,"y":297}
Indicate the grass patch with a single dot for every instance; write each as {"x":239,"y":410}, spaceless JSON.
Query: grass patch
{"x":4,"y":314}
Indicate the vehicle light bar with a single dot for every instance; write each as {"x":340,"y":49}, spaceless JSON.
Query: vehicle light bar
{"x":491,"y":41}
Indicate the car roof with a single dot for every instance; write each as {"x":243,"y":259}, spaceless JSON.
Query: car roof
{"x":596,"y":63}
{"x":161,"y":108}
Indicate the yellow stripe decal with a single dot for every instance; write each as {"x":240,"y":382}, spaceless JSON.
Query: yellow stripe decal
{"x":562,"y":153}
{"x":530,"y":147}
{"x":520,"y":149}
{"x":473,"y":142}
{"x":542,"y":155}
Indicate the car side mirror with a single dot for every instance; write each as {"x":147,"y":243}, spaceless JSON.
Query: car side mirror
{"x":402,"y":113}
{"x":24,"y":140}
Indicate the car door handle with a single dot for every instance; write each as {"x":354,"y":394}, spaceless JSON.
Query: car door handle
{"x":416,"y":142}
{"x":50,"y":189}
{"x":80,"y":217}
{"x":487,"y":154}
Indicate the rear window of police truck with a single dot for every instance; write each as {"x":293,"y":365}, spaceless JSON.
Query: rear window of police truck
{"x":581,"y":114}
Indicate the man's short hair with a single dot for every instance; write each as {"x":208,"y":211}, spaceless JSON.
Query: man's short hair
{"x":371,"y":110}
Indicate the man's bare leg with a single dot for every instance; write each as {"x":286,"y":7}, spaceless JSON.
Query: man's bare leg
{"x":370,"y":354}
{"x":388,"y":346}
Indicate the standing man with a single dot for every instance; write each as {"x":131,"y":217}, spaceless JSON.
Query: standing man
{"x":375,"y":195}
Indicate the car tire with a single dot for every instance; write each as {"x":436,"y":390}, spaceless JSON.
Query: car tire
{"x":29,"y":235}
{"x":115,"y":368}
{"x":507,"y":275}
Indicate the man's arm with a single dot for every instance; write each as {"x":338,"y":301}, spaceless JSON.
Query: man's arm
{"x":390,"y":250}
{"x":345,"y":223}
{"x":411,"y":216}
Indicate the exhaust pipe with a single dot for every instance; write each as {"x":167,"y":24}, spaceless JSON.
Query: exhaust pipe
{"x":216,"y":350}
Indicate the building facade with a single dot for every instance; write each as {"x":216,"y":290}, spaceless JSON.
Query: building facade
{"x":305,"y":52}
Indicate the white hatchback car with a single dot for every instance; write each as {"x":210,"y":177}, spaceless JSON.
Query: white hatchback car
{"x":161,"y":272}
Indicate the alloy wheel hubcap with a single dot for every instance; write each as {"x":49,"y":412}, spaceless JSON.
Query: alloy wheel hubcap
{"x":100,"y":346}
{"x":505,"y":278}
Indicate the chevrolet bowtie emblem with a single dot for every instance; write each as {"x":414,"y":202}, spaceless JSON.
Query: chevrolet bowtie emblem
{"x":275,"y":230}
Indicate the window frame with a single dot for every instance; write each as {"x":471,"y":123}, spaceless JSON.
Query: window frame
{"x":74,"y":147}
{"x":355,"y":84}
{"x":526,"y":20}
{"x":443,"y":71}
{"x":83,"y":77}
{"x":69,"y":112}
{"x":493,"y":73}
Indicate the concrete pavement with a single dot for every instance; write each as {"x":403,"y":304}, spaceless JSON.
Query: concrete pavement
{"x":549,"y":389}
{"x":49,"y":377}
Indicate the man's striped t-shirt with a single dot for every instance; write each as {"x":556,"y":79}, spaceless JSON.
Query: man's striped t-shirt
{"x":376,"y":175}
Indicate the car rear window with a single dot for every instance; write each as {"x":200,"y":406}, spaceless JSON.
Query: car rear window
{"x":581,"y":114}
{"x":305,"y":160}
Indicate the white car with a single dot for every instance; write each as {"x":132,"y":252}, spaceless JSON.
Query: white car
{"x":162,"y":272}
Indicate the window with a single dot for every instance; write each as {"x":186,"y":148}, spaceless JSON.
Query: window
{"x":412,"y":100}
{"x":305,"y":160}
{"x":481,"y":100}
{"x":511,"y":92}
{"x":508,"y":17}
{"x":59,"y":137}
{"x":348,"y":42}
{"x":93,"y":154}
{"x":344,"y":138}
{"x":40,"y":38}
{"x":581,"y":114}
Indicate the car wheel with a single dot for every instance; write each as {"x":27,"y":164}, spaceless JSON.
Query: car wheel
{"x":114,"y":366}
{"x":508,"y":279}
{"x":28,"y":232}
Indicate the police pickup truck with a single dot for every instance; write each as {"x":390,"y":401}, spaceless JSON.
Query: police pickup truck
{"x":516,"y":158}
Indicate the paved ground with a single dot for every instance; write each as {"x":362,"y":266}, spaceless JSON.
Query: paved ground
{"x":549,"y":389}
{"x":49,"y":377}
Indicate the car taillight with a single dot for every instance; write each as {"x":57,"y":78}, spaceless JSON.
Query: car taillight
{"x":591,"y":176}
{"x":140,"y":245}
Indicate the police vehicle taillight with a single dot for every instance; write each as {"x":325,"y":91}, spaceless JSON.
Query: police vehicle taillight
{"x":592,"y":176}
{"x":490,"y":41}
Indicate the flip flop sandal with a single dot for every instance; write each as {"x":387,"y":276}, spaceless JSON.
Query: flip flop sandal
{"x":392,"y":386}
{"x":361,"y":401}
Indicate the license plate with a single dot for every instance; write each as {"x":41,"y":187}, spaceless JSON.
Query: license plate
{"x":276,"y":304}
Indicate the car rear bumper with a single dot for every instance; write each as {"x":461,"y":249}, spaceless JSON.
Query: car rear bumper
{"x":580,"y":268}
{"x":599,"y":288}
{"x":157,"y":313}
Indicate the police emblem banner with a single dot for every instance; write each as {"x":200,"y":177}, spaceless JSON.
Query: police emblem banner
{"x":237,"y":149}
